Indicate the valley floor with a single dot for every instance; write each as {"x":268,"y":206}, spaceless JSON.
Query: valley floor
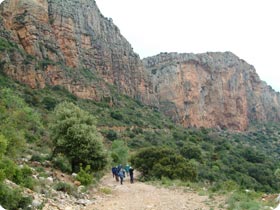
{"x":141,"y":196}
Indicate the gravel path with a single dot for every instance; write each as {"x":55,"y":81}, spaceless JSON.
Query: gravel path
{"x":141,"y":196}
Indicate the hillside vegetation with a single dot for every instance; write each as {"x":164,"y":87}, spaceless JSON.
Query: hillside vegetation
{"x":130,"y":131}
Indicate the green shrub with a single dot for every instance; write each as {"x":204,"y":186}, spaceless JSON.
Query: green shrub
{"x":8,"y":168}
{"x":111,"y":135}
{"x":174,"y":167}
{"x":117,"y":115}
{"x":137,"y":130}
{"x":13,"y":199}
{"x":230,"y":186}
{"x":251,"y":155}
{"x":277,"y":173}
{"x":49,"y":102}
{"x":244,"y":201}
{"x":62,"y":163}
{"x":191,"y":151}
{"x":3,"y":145}
{"x":84,"y":176}
{"x":64,"y":187}
{"x":163,"y":162}
{"x":23,"y":177}
{"x":37,"y":158}
{"x":2,"y":175}
{"x":7,"y":45}
{"x":18,"y":121}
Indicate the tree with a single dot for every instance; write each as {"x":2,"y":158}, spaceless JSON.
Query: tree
{"x":74,"y":134}
{"x":119,"y":152}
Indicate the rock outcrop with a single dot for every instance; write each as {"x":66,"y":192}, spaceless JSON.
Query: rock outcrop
{"x":71,"y":44}
{"x":210,"y":90}
{"x":68,"y":43}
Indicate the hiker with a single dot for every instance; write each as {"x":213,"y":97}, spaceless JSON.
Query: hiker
{"x":121,"y":175}
{"x":126,"y":168}
{"x":131,"y":174}
{"x":119,"y":168}
{"x":114,"y":171}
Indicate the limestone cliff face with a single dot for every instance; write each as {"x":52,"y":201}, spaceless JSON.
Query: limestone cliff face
{"x":210,"y":90}
{"x":68,"y":43}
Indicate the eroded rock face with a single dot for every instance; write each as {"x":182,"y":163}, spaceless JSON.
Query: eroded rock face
{"x":210,"y":90}
{"x":69,"y":43}
{"x":61,"y":40}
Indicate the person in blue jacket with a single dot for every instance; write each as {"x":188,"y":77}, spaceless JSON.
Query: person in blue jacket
{"x":121,"y":175}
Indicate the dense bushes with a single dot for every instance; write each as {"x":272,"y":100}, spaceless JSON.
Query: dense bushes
{"x":217,"y":156}
{"x":117,"y":115}
{"x":3,"y":145}
{"x":64,"y":187}
{"x":21,"y":176}
{"x":163,"y":162}
{"x":18,"y":122}
{"x":191,"y":151}
{"x":13,"y":199}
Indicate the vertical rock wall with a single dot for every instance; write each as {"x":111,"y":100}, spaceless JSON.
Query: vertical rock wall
{"x":210,"y":90}
{"x":70,"y":43}
{"x":68,"y":38}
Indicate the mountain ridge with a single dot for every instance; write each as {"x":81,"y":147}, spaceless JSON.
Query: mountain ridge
{"x":73,"y":45}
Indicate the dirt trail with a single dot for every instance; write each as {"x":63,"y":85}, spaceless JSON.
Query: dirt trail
{"x":141,"y":196}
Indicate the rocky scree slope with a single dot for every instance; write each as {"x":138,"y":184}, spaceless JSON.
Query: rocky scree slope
{"x":71,"y":44}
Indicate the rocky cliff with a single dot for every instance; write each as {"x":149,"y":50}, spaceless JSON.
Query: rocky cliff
{"x":68,"y":43}
{"x":210,"y":90}
{"x":71,"y":44}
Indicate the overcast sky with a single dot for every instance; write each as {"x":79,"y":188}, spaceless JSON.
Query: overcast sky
{"x":248,"y":28}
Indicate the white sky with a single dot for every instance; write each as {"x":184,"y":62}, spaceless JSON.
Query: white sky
{"x":248,"y":28}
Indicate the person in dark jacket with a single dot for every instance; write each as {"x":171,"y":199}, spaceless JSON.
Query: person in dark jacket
{"x":131,"y":174}
{"x":115,"y":173}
